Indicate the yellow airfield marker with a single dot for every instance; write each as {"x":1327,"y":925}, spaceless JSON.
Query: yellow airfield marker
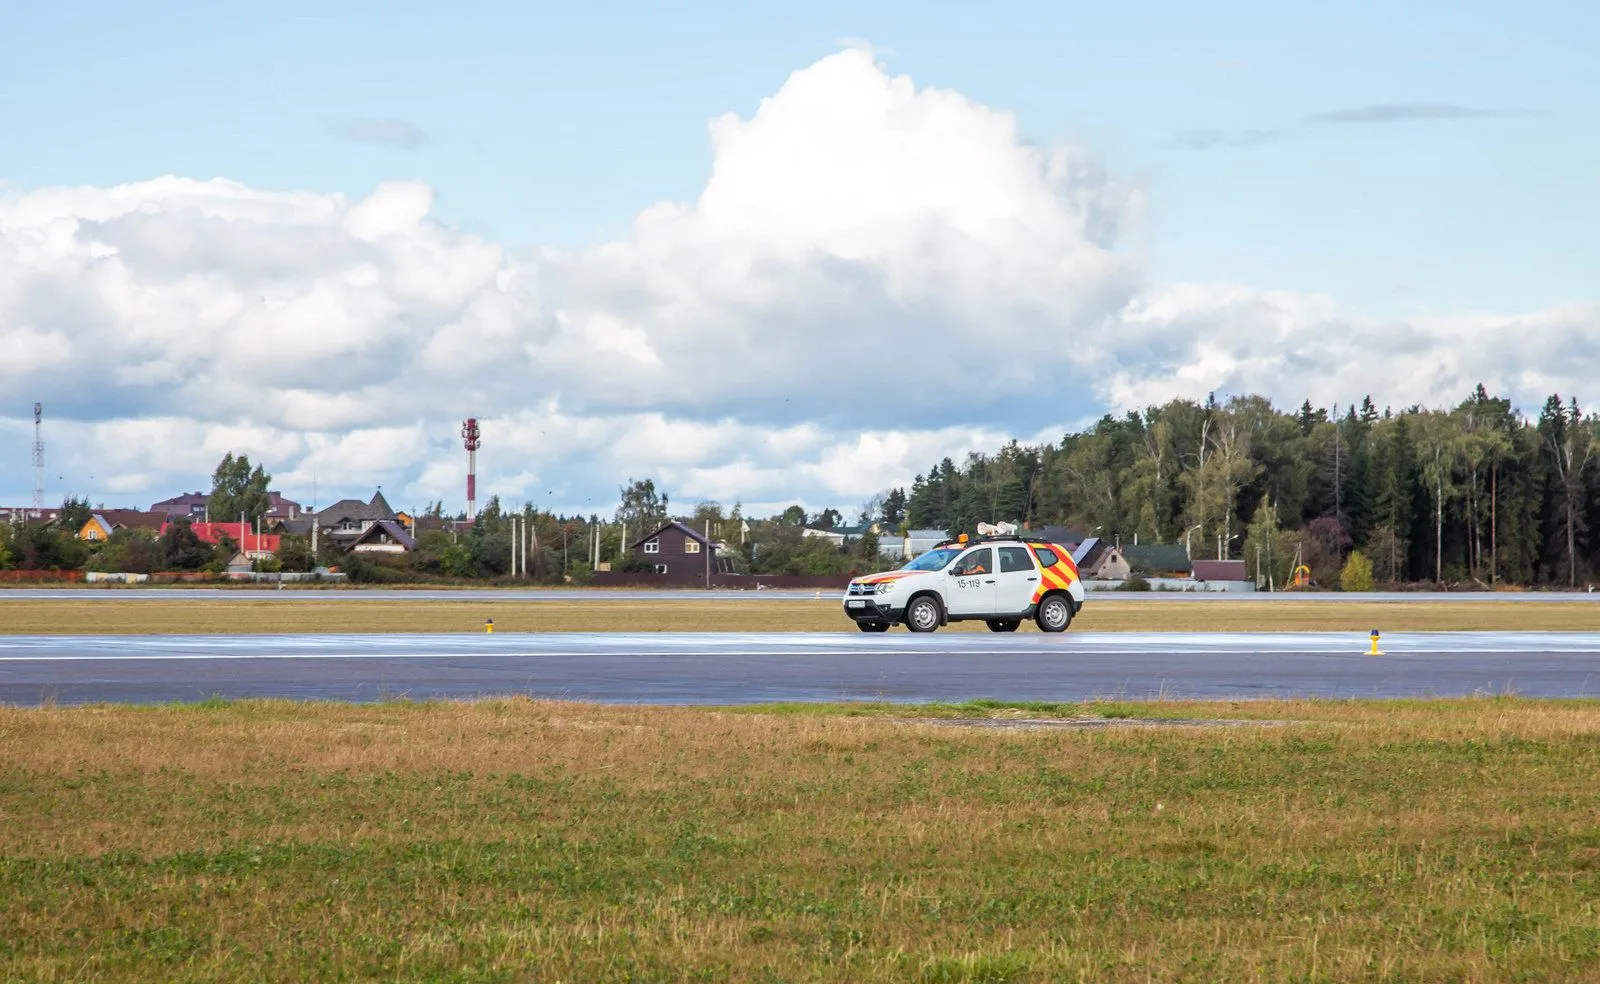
{"x":1375,"y":651}
{"x":488,"y":627}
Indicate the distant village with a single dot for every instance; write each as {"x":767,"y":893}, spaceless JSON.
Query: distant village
{"x":277,"y":539}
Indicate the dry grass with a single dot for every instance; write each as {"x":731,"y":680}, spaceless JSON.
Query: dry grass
{"x":115,"y":616}
{"x":514,"y":840}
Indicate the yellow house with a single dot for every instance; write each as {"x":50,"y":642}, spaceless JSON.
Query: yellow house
{"x":107,"y":521}
{"x":97,"y":528}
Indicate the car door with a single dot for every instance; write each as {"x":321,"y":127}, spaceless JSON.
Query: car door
{"x":1017,"y":581}
{"x":971,"y":583}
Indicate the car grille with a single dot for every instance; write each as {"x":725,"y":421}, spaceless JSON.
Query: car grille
{"x":863,"y":589}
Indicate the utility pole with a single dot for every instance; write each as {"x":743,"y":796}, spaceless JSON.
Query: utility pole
{"x":38,"y":456}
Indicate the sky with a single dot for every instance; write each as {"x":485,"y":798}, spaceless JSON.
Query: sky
{"x":762,"y":253}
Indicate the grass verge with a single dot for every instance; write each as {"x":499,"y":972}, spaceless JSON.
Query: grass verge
{"x":515,"y":840}
{"x":113,"y":615}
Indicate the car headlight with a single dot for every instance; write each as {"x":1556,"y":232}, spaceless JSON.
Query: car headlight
{"x":884,"y":587}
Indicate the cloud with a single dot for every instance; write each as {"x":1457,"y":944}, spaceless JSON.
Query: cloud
{"x":1210,"y":139}
{"x":1402,"y":113}
{"x":876,"y":275}
{"x":388,"y":132}
{"x":1214,"y":138}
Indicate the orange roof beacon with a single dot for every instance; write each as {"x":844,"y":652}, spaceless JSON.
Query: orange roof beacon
{"x":1002,"y":580}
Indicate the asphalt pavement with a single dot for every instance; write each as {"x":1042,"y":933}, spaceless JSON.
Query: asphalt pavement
{"x":729,"y":668}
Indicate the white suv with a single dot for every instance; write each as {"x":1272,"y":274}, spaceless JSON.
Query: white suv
{"x":999,"y":579}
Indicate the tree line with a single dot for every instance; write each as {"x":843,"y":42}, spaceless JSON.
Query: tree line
{"x":1473,"y":494}
{"x":1478,"y":494}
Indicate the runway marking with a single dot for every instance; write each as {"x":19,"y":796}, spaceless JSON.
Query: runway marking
{"x":763,"y":653}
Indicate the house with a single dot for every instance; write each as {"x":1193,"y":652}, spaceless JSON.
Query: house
{"x":1157,"y":559}
{"x":345,"y":520}
{"x":680,"y":553}
{"x":891,"y":545}
{"x":107,"y":521}
{"x":250,"y":543}
{"x":279,"y":507}
{"x":188,"y":504}
{"x":300,"y":526}
{"x":835,"y":537}
{"x":1066,"y":536}
{"x":1220,"y":570}
{"x":918,"y":542}
{"x":1098,"y":560}
{"x":384,"y":536}
{"x":27,"y":514}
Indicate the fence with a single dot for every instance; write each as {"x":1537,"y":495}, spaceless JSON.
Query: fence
{"x":41,"y":577}
{"x":729,"y":582}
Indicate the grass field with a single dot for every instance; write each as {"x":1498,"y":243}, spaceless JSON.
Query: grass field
{"x":1450,"y":841}
{"x":115,"y":615}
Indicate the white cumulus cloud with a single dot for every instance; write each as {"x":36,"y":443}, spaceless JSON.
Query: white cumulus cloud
{"x":875,"y":276}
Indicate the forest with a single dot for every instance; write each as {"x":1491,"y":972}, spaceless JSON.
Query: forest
{"x":1474,"y":495}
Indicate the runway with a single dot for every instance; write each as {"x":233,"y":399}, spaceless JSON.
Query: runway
{"x":729,"y":668}
{"x":662,"y":594}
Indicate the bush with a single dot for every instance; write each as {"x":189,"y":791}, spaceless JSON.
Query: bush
{"x":1357,"y":573}
{"x":1135,"y":583}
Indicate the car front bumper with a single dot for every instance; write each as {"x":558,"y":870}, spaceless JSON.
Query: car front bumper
{"x":873,"y":609}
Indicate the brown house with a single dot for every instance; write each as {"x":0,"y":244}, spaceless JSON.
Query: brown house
{"x":1220,"y":570}
{"x":1101,"y":561}
{"x":679,"y":554}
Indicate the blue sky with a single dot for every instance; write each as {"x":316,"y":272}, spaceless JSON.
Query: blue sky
{"x":556,"y":123}
{"x":1409,"y":161}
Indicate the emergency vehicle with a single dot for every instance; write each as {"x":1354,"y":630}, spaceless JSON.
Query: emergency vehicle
{"x":1001,"y":580}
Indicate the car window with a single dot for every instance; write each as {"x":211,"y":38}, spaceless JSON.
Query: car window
{"x":932,"y":560}
{"x":979,"y":561}
{"x":1015,"y":559}
{"x":1047,"y":557}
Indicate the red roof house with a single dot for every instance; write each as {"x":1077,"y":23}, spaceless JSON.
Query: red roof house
{"x":245,"y":538}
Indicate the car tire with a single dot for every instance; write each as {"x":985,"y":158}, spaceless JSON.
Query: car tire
{"x":873,"y":626}
{"x":1003,"y":624}
{"x":1055,"y":613}
{"x":922,"y":615}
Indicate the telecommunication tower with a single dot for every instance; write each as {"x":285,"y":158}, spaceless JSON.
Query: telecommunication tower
{"x":38,"y":456}
{"x":470,"y":440}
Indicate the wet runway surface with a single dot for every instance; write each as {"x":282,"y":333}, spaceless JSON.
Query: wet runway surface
{"x":731,"y":668}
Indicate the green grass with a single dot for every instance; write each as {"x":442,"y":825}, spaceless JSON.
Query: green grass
{"x":592,"y":612}
{"x":515,"y":840}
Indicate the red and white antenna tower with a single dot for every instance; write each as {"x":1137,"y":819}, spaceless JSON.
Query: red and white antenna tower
{"x":38,"y":456}
{"x":470,"y":440}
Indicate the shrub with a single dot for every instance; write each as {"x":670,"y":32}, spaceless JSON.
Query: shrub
{"x":1357,"y":573}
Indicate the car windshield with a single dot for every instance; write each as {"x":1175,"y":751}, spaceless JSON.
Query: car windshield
{"x":933,"y":560}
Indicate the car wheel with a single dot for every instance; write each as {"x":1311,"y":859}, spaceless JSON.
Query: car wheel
{"x":1003,"y":624}
{"x":922,"y":615}
{"x":873,"y":626}
{"x":1055,"y":614}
